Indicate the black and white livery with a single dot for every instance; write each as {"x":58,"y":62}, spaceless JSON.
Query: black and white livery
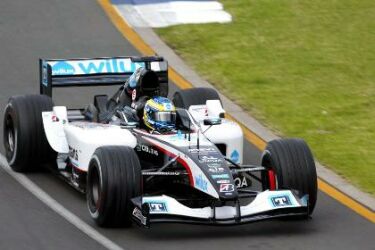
{"x":192,"y":173}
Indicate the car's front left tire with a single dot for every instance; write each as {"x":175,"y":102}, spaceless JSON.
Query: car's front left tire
{"x":113,"y":179}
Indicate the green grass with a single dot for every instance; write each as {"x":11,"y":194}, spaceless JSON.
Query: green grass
{"x":304,"y":68}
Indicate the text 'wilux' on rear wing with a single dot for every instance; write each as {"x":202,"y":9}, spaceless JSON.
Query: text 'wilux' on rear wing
{"x":97,"y":72}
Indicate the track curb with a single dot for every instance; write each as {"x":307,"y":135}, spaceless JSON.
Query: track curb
{"x":330,"y":183}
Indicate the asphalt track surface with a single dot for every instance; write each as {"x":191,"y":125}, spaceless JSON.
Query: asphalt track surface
{"x":79,"y":28}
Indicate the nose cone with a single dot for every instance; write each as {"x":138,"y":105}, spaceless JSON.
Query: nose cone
{"x":214,"y":166}
{"x":221,"y":178}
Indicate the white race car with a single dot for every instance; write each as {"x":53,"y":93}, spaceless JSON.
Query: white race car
{"x":192,"y":174}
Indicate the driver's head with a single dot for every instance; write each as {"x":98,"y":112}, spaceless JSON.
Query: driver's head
{"x":159,"y":114}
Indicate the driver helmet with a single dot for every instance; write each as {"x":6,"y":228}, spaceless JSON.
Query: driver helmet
{"x":159,"y":114}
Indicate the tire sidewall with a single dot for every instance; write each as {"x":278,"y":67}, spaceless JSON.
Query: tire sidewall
{"x":10,"y":112}
{"x":269,"y":163}
{"x":95,"y":211}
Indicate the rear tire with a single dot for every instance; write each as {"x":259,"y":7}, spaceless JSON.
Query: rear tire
{"x":25,"y":142}
{"x":194,"y":96}
{"x":293,"y":163}
{"x":113,"y":179}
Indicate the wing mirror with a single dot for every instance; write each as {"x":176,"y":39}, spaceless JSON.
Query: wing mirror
{"x":212,"y":121}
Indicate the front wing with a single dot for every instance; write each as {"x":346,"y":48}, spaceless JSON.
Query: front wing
{"x":266,"y":205}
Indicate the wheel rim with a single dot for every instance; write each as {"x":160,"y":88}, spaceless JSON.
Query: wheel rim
{"x":11,"y":141}
{"x":272,"y":180}
{"x":270,"y":175}
{"x":10,"y":138}
{"x":9,"y":133}
{"x":95,"y":192}
{"x":95,"y":188}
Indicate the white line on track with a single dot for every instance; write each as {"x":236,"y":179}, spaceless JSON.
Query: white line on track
{"x":58,"y":208}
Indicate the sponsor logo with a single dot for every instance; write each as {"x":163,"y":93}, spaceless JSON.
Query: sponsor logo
{"x":167,"y":106}
{"x":62,"y":68}
{"x":147,"y":149}
{"x":138,"y":214}
{"x":281,"y":201}
{"x":85,"y":125}
{"x":200,"y":183}
{"x":226,"y":188}
{"x":210,"y":159}
{"x":108,"y":66}
{"x":235,"y":156}
{"x":201,"y":150}
{"x":240,"y":183}
{"x":157,"y":207}
{"x":220,"y":176}
{"x":216,"y":169}
{"x":214,"y":165}
{"x":223,"y":181}
{"x":79,"y":67}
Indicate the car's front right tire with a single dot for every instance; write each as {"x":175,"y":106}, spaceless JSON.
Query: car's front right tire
{"x":293,"y":163}
{"x":113,"y":179}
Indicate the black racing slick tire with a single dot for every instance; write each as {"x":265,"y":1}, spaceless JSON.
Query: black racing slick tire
{"x":113,"y":179}
{"x":194,"y":96}
{"x":294,"y":166}
{"x":25,"y":142}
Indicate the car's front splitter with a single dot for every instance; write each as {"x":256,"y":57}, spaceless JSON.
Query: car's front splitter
{"x":266,"y":205}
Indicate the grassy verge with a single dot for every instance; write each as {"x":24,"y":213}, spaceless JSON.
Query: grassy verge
{"x":304,"y":68}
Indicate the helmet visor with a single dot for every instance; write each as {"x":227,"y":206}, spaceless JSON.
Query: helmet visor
{"x":165,"y":117}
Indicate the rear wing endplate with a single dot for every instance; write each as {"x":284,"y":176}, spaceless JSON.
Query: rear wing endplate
{"x":103,"y":71}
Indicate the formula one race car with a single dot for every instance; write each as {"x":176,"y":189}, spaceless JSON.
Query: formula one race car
{"x":133,"y":169}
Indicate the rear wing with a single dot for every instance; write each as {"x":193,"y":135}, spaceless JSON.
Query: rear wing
{"x":56,"y":73}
